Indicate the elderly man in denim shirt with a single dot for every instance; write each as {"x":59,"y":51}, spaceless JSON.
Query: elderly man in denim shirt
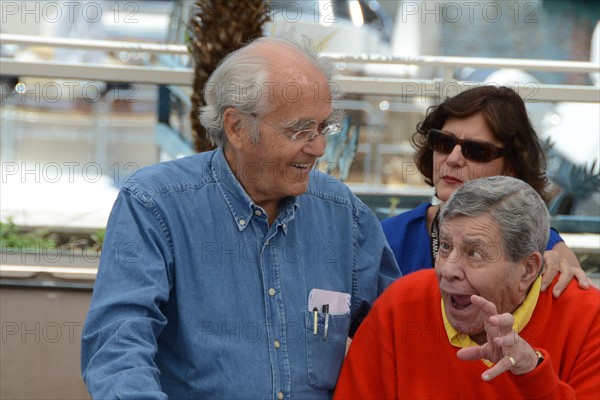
{"x":217,"y":268}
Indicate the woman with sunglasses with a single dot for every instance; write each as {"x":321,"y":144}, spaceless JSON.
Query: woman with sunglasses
{"x":483,"y":131}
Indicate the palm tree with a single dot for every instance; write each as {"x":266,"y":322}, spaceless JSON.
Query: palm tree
{"x":217,"y":28}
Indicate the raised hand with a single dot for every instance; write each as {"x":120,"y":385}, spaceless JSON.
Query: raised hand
{"x":504,"y":346}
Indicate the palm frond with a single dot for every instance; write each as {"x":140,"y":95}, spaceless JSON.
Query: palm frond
{"x":216,"y":28}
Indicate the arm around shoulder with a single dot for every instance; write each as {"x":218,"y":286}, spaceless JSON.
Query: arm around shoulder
{"x":562,"y":259}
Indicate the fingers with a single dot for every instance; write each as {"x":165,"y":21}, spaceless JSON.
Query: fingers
{"x":518,"y":362}
{"x":505,"y":364}
{"x":567,"y":272}
{"x":472,"y":353}
{"x":504,"y":321}
{"x":582,"y":278}
{"x":554,"y":264}
{"x":480,"y":352}
{"x":484,"y":305}
{"x":498,"y":327}
{"x":504,"y":346}
{"x":501,"y":335}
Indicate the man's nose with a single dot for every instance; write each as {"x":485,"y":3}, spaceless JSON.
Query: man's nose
{"x":316,"y":147}
{"x":451,"y":266}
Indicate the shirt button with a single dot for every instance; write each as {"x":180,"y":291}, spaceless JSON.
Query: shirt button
{"x":258,"y":213}
{"x":277,"y":344}
{"x":272,"y":292}
{"x":267,"y":243}
{"x":242,"y":222}
{"x":284,"y":226}
{"x":280,"y":395}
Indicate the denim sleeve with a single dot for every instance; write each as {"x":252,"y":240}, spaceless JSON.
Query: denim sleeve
{"x":554,"y":239}
{"x":375,"y":267}
{"x":119,"y":339}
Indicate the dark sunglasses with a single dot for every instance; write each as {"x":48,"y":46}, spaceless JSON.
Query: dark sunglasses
{"x":471,"y":150}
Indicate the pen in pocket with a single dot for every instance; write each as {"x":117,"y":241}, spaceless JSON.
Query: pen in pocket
{"x":326,"y":313}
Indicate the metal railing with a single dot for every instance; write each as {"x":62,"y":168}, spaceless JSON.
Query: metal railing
{"x":402,"y":92}
{"x":364,"y":85}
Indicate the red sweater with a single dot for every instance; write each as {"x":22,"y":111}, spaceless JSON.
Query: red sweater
{"x":402,"y":351}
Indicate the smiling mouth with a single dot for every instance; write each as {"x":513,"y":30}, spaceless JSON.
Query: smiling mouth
{"x":302,"y":166}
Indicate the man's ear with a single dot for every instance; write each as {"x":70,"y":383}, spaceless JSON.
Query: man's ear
{"x":233,"y":127}
{"x":532,"y":265}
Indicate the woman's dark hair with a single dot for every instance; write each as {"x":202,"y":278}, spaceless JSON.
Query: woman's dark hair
{"x":505,"y":115}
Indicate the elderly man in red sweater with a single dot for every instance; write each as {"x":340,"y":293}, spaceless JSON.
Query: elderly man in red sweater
{"x":477,"y":326}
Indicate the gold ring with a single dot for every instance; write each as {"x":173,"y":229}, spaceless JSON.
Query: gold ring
{"x":512,"y":360}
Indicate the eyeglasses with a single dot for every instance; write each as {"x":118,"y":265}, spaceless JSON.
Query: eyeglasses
{"x":306,"y":135}
{"x":471,"y":150}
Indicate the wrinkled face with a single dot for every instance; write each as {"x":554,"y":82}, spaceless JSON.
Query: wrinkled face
{"x":451,"y":171}
{"x":277,"y":167}
{"x":471,"y":260}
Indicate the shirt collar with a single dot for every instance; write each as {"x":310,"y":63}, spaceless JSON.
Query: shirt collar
{"x":522,"y":315}
{"x":287,"y":212}
{"x":242,"y":208}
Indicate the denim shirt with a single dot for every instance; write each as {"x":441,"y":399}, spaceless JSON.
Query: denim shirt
{"x":198,"y":297}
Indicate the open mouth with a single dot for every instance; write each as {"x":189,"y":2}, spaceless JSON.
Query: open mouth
{"x":460,"y":302}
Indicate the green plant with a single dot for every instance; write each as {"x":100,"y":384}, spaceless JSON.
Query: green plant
{"x":11,"y":237}
{"x":15,"y":237}
{"x":576,"y":182}
{"x":98,"y":238}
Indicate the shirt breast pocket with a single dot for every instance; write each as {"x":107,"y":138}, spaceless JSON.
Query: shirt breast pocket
{"x":325,"y":355}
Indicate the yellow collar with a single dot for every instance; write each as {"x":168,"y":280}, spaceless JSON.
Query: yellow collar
{"x":522,"y":315}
